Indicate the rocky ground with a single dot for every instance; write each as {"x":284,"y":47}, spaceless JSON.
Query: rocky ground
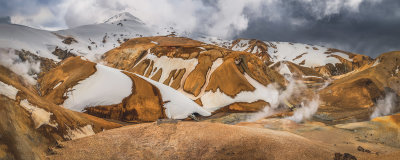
{"x":263,"y":139}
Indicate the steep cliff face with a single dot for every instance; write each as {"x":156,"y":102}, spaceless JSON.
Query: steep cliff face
{"x":29,"y":124}
{"x":356,"y":95}
{"x":198,"y":70}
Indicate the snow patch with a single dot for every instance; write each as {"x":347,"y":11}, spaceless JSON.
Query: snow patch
{"x":177,"y":106}
{"x":33,"y":40}
{"x":58,"y":84}
{"x":284,"y":70}
{"x":124,"y":16}
{"x":345,"y":56}
{"x":376,"y":63}
{"x":315,"y":56}
{"x":39,"y":116}
{"x":214,"y":41}
{"x":79,"y":132}
{"x":241,"y":45}
{"x":255,"y":50}
{"x":8,"y":90}
{"x":167,"y":64}
{"x":154,"y":42}
{"x":107,"y":86}
{"x":202,"y":48}
{"x":213,"y":101}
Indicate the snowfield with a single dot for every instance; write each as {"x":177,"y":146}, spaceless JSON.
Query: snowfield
{"x":39,"y":116}
{"x":107,"y":86}
{"x":91,"y":41}
{"x":312,"y":55}
{"x":177,"y":105}
{"x":8,"y":90}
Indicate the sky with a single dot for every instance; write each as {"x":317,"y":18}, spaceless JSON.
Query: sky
{"x":368,"y":27}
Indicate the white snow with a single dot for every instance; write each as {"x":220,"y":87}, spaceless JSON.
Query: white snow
{"x":376,"y":62}
{"x":202,"y":48}
{"x":154,"y":42}
{"x":124,"y":16}
{"x":89,"y":37}
{"x":58,"y":84}
{"x":345,"y":56}
{"x":79,"y":132}
{"x":241,"y":45}
{"x":102,"y":37}
{"x":286,"y":51}
{"x":177,"y":106}
{"x":255,"y":50}
{"x":214,"y":41}
{"x":213,"y":101}
{"x":8,"y":90}
{"x":33,"y":40}
{"x":284,"y":69}
{"x":39,"y":116}
{"x":107,"y":86}
{"x":167,"y":64}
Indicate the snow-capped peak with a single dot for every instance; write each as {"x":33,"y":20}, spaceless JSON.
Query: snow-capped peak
{"x":124,"y":16}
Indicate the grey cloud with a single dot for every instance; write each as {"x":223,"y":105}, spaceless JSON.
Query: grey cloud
{"x":365,"y":26}
{"x":371,"y":30}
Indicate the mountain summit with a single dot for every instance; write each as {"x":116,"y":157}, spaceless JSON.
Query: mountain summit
{"x":124,"y":16}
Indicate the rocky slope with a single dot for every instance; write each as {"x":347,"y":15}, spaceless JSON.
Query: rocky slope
{"x":214,"y":77}
{"x":365,"y":91}
{"x":189,"y":140}
{"x":263,"y":139}
{"x":326,"y":61}
{"x":29,"y":123}
{"x":84,"y":86}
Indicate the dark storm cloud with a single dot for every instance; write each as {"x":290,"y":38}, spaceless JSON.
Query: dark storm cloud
{"x":373,"y":29}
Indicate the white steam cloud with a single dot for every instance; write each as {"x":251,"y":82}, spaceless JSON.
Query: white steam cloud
{"x":304,"y":111}
{"x":26,"y":69}
{"x":385,"y":106}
